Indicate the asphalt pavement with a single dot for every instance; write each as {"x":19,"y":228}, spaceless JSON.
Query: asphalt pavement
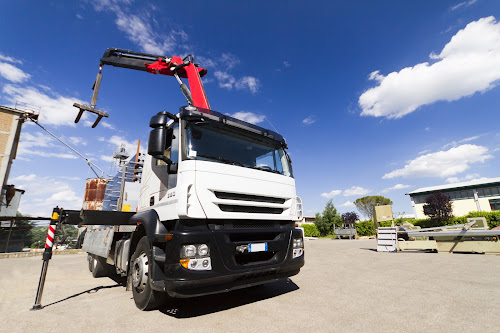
{"x":345,"y":286}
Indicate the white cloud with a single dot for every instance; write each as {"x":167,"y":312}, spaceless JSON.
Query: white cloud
{"x":442,"y":163}
{"x":44,"y":193}
{"x":79,"y":16}
{"x":24,"y":178}
{"x":55,"y":109}
{"x":229,"y":82}
{"x":130,"y":146}
{"x":139,"y":29}
{"x":456,"y":143}
{"x":309,"y":120}
{"x":463,"y":4}
{"x":10,"y":59}
{"x":225,"y":80}
{"x":356,"y":190}
{"x":347,"y":204}
{"x":331,"y":194}
{"x":395,"y":187}
{"x":466,"y":178}
{"x":12,"y":73}
{"x":106,"y":125}
{"x":229,"y":60}
{"x":77,"y":140}
{"x":249,"y":117}
{"x":248,"y":82}
{"x":468,"y":64}
{"x":31,"y":145}
{"x":107,"y":158}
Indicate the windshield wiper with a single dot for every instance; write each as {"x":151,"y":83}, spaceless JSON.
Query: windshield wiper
{"x":222,"y":159}
{"x":266,"y":168}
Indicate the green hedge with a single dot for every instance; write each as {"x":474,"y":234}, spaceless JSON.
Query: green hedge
{"x":310,"y":230}
{"x":493,"y":219}
{"x":367,"y":228}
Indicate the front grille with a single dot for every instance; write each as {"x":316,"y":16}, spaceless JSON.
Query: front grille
{"x":250,"y":209}
{"x":247,"y":197}
{"x":245,"y":237}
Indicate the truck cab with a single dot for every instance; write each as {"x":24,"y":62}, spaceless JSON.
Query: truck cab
{"x":217,"y":205}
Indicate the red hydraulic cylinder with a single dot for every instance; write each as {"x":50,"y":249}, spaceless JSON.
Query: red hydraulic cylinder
{"x":197,"y":89}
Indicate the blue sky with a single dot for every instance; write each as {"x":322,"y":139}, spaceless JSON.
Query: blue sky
{"x":373,"y":97}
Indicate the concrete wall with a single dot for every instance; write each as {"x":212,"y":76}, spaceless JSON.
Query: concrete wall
{"x":10,"y":127}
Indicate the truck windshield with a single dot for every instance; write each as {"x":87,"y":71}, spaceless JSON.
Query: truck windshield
{"x":211,"y":142}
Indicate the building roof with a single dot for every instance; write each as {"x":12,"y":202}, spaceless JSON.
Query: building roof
{"x":472,"y":183}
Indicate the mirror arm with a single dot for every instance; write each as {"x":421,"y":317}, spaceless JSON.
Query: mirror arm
{"x":163,"y":158}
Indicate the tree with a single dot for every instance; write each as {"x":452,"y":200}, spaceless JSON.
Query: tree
{"x":328,"y":220}
{"x":367,"y":204}
{"x":350,"y":217}
{"x":438,"y":207}
{"x":38,"y":235}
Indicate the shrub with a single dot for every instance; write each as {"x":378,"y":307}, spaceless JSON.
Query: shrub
{"x":365,"y":228}
{"x":310,"y":230}
{"x":493,"y":219}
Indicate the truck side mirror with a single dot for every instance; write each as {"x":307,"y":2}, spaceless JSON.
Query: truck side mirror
{"x":156,"y":144}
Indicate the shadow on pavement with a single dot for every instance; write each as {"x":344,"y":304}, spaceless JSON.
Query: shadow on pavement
{"x":90,"y":291}
{"x":368,"y":249}
{"x":199,"y":306}
{"x":120,"y":282}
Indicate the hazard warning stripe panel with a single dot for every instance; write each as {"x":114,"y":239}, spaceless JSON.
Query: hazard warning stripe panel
{"x":50,"y":236}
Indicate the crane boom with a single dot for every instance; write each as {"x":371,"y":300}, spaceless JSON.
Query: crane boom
{"x":155,"y":64}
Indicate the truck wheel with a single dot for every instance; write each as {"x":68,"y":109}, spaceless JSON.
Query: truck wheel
{"x":99,"y":266}
{"x":145,"y":297}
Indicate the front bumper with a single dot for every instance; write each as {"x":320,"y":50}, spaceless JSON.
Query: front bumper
{"x":230,"y":269}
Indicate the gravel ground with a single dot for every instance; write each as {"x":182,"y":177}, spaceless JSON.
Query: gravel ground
{"x":345,"y":286}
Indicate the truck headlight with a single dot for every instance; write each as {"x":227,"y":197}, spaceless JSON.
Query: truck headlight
{"x":298,"y":243}
{"x":298,"y":247}
{"x":188,"y":251}
{"x":203,"y":250}
{"x":196,"y":257}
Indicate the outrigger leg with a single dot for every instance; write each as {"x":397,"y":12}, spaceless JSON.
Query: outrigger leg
{"x":47,"y":255}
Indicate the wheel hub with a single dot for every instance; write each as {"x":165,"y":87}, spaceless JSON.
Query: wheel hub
{"x":140,"y":272}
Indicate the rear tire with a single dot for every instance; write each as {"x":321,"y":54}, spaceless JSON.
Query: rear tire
{"x":145,"y":297}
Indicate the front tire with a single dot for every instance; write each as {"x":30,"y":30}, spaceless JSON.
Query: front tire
{"x":145,"y":297}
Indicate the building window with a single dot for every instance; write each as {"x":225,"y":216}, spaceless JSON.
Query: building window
{"x":488,"y":191}
{"x":495,"y":204}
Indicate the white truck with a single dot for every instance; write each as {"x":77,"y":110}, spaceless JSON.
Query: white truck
{"x":217,"y":205}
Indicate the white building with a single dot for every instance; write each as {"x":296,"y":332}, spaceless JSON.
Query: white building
{"x":473,"y":196}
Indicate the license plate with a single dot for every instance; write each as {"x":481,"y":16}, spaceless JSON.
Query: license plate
{"x":257,"y":247}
